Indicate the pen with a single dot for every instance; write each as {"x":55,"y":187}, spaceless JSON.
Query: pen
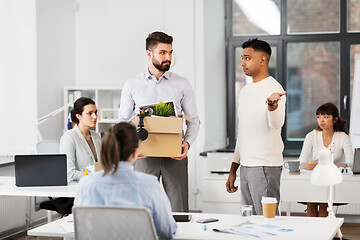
{"x":312,"y":163}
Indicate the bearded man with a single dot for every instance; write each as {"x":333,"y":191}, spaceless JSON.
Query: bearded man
{"x":155,"y":85}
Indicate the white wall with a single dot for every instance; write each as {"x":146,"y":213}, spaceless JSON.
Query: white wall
{"x":210,"y":87}
{"x":37,"y":60}
{"x":110,"y":38}
{"x":55,"y":22}
{"x":103,"y":43}
{"x":17,"y":76}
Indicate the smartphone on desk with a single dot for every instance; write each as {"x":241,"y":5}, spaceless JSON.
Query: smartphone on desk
{"x":207,"y":220}
{"x":182,"y":217}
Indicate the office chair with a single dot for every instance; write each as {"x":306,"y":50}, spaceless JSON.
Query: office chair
{"x":48,"y":147}
{"x":113,"y":223}
{"x":60,"y":205}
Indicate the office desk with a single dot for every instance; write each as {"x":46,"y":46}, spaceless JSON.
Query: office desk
{"x":8,"y":188}
{"x":303,"y":227}
{"x":298,"y":188}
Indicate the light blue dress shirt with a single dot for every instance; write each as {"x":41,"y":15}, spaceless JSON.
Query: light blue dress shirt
{"x":129,"y":188}
{"x":145,"y":89}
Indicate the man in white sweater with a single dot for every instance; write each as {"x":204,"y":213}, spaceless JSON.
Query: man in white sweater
{"x":259,"y":145}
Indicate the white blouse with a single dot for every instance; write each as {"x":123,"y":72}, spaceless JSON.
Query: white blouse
{"x":340,"y":147}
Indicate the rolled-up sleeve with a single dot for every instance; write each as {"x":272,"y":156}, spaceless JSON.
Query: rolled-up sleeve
{"x":307,"y":148}
{"x":277,"y":117}
{"x":348,"y":151}
{"x":188,"y":104}
{"x":127,"y":103}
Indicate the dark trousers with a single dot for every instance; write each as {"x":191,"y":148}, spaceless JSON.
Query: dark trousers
{"x":174,"y":175}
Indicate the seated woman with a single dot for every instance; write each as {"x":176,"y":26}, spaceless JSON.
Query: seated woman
{"x":81,"y":145}
{"x":332,"y":134}
{"x":118,"y":184}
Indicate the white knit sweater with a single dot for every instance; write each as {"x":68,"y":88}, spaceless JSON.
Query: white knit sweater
{"x":259,"y":140}
{"x":340,"y":147}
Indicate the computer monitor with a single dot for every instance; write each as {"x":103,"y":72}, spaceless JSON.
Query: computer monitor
{"x":356,"y":166}
{"x":40,"y":170}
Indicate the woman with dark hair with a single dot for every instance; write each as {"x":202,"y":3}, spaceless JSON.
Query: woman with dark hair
{"x":81,"y":145}
{"x":331,"y":133}
{"x":118,"y":184}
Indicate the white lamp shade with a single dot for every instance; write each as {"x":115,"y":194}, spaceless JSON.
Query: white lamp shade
{"x":326,"y":173}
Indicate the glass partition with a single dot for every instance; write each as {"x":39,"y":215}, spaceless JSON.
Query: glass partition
{"x":313,"y":78}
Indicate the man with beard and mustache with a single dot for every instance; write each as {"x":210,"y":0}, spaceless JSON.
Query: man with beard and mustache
{"x":155,"y":85}
{"x":259,"y":145}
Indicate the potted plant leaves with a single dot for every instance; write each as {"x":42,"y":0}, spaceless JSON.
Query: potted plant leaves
{"x":163,"y":109}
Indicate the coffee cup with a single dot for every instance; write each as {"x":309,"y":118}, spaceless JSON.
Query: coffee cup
{"x":269,"y":206}
{"x":293,"y":166}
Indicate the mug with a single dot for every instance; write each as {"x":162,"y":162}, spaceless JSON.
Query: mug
{"x":293,"y":166}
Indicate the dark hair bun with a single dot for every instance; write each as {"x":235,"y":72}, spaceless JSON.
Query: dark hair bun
{"x":74,"y":119}
{"x":79,"y":105}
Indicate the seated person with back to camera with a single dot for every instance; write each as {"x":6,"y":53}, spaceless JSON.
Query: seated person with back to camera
{"x":81,"y":145}
{"x":332,"y":134}
{"x":119,"y":184}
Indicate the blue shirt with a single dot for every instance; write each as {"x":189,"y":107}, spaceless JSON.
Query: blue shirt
{"x":129,"y":188}
{"x":145,"y":89}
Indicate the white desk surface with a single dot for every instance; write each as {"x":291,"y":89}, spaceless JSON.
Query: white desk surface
{"x":304,"y":227}
{"x":8,"y":188}
{"x":299,"y":188}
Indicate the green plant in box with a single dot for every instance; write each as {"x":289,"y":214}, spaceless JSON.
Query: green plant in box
{"x":163,"y":109}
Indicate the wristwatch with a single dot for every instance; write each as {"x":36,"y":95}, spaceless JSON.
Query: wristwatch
{"x":272,"y":104}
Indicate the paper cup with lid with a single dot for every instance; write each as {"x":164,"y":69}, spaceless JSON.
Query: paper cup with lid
{"x":269,"y":206}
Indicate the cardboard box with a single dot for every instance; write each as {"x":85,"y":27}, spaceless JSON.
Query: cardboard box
{"x":165,"y":136}
{"x":98,"y":166}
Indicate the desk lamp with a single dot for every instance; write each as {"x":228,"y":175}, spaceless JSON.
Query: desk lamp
{"x":326,"y":173}
{"x":48,"y":116}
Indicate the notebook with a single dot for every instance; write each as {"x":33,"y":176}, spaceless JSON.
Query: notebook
{"x":356,"y":166}
{"x":40,"y":170}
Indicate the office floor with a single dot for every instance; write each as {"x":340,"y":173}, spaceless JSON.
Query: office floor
{"x":350,"y":231}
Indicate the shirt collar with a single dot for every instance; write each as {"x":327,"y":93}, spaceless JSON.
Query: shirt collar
{"x":148,"y":76}
{"x":125,"y":165}
{"x":166,"y":75}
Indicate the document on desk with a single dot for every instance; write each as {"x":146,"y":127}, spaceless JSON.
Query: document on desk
{"x":253,"y":230}
{"x":68,"y":225}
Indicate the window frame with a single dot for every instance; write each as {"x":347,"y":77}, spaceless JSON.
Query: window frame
{"x":345,"y":38}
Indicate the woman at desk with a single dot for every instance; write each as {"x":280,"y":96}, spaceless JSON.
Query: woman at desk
{"x":118,"y":184}
{"x":81,"y":145}
{"x":332,"y":134}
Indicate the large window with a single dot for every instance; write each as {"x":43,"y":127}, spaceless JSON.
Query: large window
{"x":314,"y":43}
{"x":312,"y":78}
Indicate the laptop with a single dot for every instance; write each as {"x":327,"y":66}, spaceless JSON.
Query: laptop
{"x":40,"y":170}
{"x":356,"y":166}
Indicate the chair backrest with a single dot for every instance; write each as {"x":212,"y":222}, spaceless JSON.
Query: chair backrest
{"x":113,"y":222}
{"x":45,"y":147}
{"x":48,"y":146}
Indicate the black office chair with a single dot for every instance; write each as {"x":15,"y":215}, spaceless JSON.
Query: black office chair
{"x":61,"y":205}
